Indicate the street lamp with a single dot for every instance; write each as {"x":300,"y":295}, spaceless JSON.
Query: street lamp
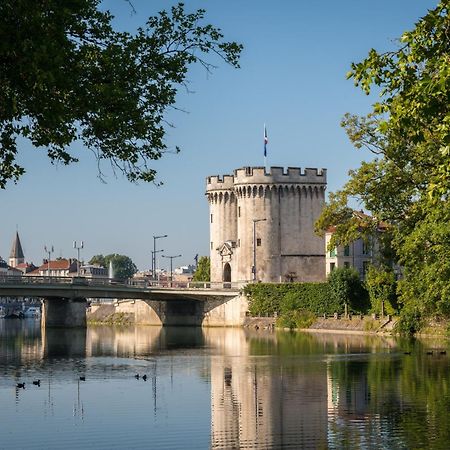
{"x":154,"y":254}
{"x":255,"y":221}
{"x":78,"y":248}
{"x":171,"y":259}
{"x":49,"y":251}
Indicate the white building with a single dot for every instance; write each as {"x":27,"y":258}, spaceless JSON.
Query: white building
{"x":359,"y":254}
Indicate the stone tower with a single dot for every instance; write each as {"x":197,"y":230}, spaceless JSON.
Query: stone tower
{"x":16,"y":256}
{"x":262,"y":225}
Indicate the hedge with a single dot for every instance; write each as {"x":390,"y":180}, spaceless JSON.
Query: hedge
{"x":266,"y":299}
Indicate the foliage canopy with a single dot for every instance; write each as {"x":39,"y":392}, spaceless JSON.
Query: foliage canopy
{"x":67,"y":75}
{"x":203,"y":271}
{"x":407,"y":183}
{"x":123,"y":266}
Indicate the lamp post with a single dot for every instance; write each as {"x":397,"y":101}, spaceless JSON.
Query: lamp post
{"x":154,"y":254}
{"x":255,"y":221}
{"x":171,"y":260}
{"x":49,"y":251}
{"x":78,"y":248}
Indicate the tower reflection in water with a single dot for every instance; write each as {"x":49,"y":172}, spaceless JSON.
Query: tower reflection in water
{"x":264,"y":402}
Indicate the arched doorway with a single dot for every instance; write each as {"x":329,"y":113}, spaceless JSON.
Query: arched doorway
{"x":227,"y":273}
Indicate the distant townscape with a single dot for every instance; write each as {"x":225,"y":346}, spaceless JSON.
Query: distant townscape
{"x":71,"y":267}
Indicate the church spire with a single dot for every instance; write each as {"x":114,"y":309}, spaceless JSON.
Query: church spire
{"x":16,"y":256}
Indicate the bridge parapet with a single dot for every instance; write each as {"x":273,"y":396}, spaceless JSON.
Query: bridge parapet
{"x":111,"y":282}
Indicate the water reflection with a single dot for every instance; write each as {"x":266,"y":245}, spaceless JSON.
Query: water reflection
{"x":224,"y":388}
{"x":265,"y":402}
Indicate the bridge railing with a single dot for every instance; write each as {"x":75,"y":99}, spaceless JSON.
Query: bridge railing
{"x":102,"y":282}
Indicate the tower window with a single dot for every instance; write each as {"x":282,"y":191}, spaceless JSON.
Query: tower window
{"x":239,"y":211}
{"x":211,"y":245}
{"x":211,"y":218}
{"x":258,"y":242}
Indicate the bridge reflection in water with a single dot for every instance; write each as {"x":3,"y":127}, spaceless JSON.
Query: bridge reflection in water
{"x":232,"y":388}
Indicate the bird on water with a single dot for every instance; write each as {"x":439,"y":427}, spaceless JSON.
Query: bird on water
{"x":21,"y":385}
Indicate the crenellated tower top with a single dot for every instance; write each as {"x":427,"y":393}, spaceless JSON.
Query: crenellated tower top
{"x":258,"y":175}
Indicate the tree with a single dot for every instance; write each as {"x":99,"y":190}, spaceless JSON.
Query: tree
{"x":347,"y":288}
{"x":203,"y":271}
{"x":123,"y":266}
{"x":407,"y":184}
{"x":381,"y":285}
{"x":98,"y":260}
{"x":66,"y":75}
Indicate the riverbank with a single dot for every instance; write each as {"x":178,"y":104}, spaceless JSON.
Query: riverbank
{"x":112,"y":315}
{"x":354,"y":325}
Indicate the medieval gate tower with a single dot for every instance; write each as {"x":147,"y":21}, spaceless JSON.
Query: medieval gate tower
{"x":262,"y":225}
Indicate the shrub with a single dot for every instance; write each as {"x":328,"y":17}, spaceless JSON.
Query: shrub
{"x":296,"y":319}
{"x":410,"y":322}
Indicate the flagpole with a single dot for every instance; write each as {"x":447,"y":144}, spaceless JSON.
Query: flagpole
{"x":265,"y":149}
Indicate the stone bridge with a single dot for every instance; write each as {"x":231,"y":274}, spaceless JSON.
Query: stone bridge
{"x":65,"y":300}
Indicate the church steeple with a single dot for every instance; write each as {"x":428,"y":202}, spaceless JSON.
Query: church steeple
{"x":16,"y":256}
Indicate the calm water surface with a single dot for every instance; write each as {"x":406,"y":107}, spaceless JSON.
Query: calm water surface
{"x":219,"y":389}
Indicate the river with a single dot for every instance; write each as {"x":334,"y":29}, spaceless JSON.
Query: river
{"x":219,"y":388}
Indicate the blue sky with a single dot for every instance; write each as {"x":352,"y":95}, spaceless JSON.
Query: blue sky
{"x":292,"y":77}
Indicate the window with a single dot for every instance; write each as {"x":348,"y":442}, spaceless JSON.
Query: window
{"x":258,"y":242}
{"x":333,"y":253}
{"x":239,"y":211}
{"x":347,"y":250}
{"x":211,"y":218}
{"x":239,"y":243}
{"x":332,"y":266}
{"x":366,"y":248}
{"x":211,"y":245}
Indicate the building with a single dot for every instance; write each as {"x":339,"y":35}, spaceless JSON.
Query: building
{"x":93,"y":271}
{"x":185,"y":270}
{"x":58,"y":268}
{"x":262,"y":225}
{"x":16,"y":256}
{"x":3,"y":267}
{"x":359,"y":254}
